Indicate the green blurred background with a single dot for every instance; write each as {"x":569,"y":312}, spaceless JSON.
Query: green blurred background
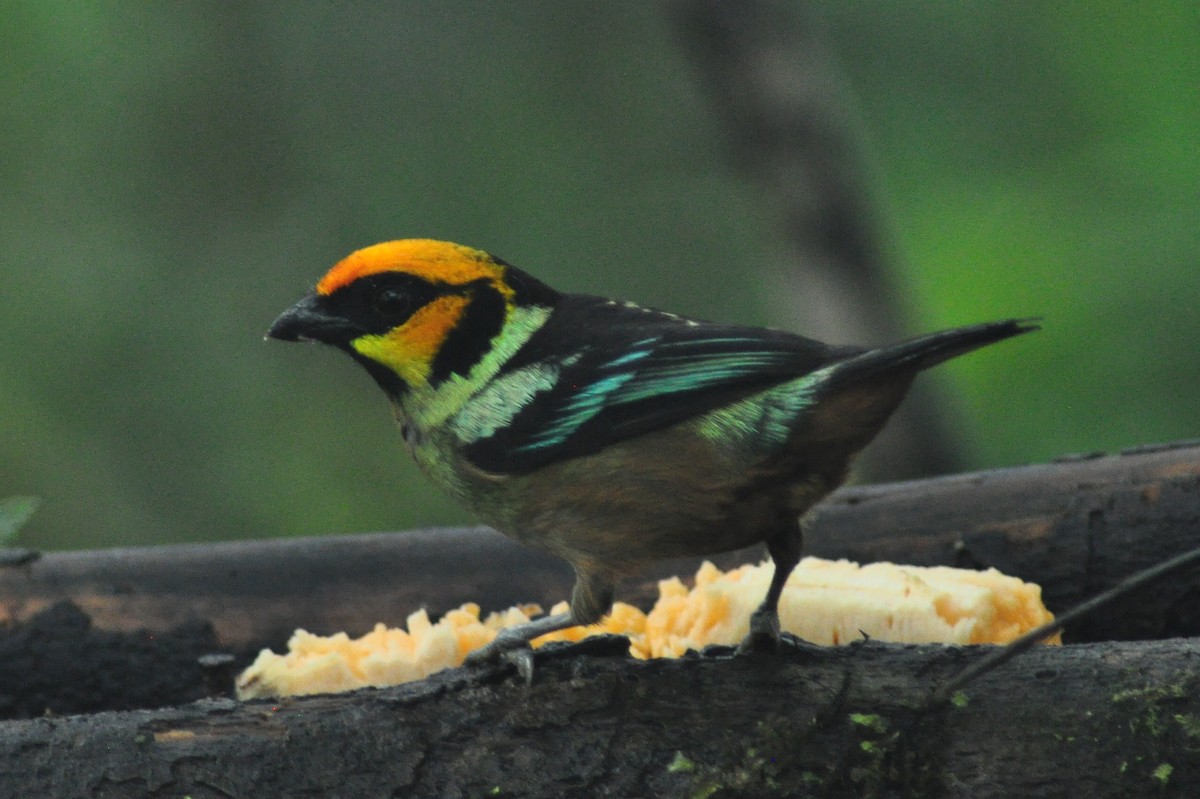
{"x":176,"y":174}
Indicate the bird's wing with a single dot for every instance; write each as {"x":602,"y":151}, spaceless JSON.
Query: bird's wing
{"x":622,"y":371}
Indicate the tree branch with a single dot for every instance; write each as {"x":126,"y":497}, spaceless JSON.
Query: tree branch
{"x":1091,"y":720}
{"x":1076,"y":527}
{"x":1113,"y":719}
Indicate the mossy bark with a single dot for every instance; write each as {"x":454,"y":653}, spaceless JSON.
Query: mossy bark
{"x":1111,"y":719}
{"x":1097,"y":720}
{"x":1075,"y":528}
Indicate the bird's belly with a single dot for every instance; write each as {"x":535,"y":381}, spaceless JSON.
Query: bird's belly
{"x":666,"y":494}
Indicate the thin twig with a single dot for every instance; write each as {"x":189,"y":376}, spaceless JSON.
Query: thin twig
{"x":1031,"y":638}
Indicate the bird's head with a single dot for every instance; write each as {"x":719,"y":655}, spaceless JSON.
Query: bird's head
{"x":414,"y":312}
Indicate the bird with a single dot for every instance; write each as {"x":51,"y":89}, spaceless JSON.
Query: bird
{"x":606,"y":433}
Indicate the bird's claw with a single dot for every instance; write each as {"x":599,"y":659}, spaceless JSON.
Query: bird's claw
{"x":522,"y":659}
{"x":515,"y":651}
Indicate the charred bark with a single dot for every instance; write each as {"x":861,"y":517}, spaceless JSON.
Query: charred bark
{"x":1110,"y":719}
{"x":1075,"y":527}
{"x":1096,"y":720}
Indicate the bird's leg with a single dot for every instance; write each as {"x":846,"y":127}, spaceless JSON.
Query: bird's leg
{"x":591,"y":598}
{"x":784,"y":547}
{"x":592,"y":595}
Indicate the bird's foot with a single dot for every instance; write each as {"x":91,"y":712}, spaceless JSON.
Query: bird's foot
{"x":512,"y":645}
{"x":512,"y":649}
{"x":764,"y":633}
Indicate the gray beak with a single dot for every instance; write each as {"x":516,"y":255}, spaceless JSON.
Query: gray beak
{"x":310,"y":320}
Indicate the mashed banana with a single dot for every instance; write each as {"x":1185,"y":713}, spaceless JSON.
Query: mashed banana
{"x":825,"y":602}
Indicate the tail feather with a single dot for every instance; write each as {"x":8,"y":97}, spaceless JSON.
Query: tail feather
{"x":917,"y":354}
{"x":856,"y":395}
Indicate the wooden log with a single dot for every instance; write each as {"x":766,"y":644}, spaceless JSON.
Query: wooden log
{"x":1075,"y":527}
{"x":1097,"y":720}
{"x":1114,"y":719}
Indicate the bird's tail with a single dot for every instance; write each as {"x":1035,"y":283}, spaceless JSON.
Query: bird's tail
{"x":853,"y":397}
{"x":912,"y":356}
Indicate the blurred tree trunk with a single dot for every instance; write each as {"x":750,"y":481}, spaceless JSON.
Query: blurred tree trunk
{"x":790,"y":126}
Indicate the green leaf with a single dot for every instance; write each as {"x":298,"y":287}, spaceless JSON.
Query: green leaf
{"x":14,"y":512}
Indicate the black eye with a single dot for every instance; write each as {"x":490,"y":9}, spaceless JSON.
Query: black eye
{"x":391,"y":303}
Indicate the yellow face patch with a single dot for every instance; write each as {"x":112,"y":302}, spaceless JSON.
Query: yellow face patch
{"x":409,"y":349}
{"x":435,"y":261}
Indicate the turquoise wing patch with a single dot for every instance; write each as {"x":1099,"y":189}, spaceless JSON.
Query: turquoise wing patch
{"x":602,"y":395}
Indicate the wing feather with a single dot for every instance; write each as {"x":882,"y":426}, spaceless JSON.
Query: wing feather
{"x":624,"y":371}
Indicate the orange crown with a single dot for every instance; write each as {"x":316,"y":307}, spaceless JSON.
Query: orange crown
{"x":435,"y":261}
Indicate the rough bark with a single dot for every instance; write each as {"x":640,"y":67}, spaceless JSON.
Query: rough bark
{"x":1075,"y":527}
{"x":1113,"y":719}
{"x":1099,"y":720}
